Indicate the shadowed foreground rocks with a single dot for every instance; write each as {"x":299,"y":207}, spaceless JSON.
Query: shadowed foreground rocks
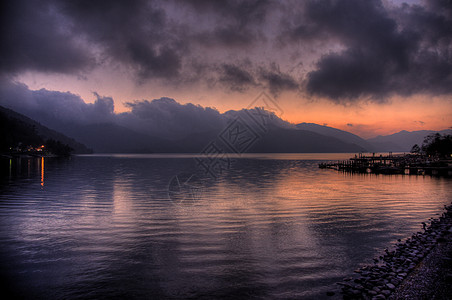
{"x":419,"y":268}
{"x":432,"y":278}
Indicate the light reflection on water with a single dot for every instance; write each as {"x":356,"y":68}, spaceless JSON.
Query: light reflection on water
{"x":103,"y":226}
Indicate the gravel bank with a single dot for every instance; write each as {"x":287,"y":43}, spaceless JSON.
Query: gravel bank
{"x":419,"y":268}
{"x":432,"y":278}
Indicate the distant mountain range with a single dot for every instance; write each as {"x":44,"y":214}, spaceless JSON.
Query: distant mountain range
{"x":278,"y":140}
{"x":113,"y":138}
{"x":109,"y":137}
{"x":337,"y":133}
{"x":402,"y":141}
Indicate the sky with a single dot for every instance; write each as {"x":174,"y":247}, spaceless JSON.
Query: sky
{"x":370,"y":67}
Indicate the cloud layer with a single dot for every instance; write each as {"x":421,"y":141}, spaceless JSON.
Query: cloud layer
{"x":387,"y":51}
{"x":162,"y":117}
{"x":351,"y":49}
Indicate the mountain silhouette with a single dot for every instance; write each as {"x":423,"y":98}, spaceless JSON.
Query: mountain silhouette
{"x":402,"y":141}
{"x":16,"y":128}
{"x":343,"y":135}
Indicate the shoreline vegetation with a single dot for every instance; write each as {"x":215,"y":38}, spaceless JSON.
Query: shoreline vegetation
{"x":418,"y":268}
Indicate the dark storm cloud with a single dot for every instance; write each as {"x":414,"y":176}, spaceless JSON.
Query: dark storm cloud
{"x":277,"y":81}
{"x":67,"y":36}
{"x":383,"y":50}
{"x":32,"y":37}
{"x":236,"y":78}
{"x":238,"y":23}
{"x":230,"y":36}
{"x":240,"y":77}
{"x":242,"y":13}
{"x":135,"y":32}
{"x":443,"y":6}
{"x":402,"y":51}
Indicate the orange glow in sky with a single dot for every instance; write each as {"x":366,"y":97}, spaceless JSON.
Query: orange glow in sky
{"x":364,"y":118}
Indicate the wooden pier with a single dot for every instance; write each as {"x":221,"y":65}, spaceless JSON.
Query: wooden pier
{"x":409,"y":164}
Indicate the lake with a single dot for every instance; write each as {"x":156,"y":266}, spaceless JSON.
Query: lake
{"x":268,"y":226}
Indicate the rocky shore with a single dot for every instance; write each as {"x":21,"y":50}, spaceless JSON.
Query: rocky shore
{"x":418,"y":268}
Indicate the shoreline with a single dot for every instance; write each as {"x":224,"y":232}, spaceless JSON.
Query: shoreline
{"x":418,"y":268}
{"x":432,"y":278}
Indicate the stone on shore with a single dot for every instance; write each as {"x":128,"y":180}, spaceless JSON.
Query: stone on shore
{"x":411,"y":270}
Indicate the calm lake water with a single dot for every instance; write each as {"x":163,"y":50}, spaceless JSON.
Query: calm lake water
{"x":272,"y":226}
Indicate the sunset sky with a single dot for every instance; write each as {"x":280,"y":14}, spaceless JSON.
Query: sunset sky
{"x":368,"y":67}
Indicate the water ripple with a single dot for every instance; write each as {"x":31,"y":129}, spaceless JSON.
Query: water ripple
{"x":272,"y":227}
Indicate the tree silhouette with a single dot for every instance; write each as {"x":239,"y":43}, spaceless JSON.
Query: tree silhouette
{"x":437,"y":145}
{"x":416,"y":149}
